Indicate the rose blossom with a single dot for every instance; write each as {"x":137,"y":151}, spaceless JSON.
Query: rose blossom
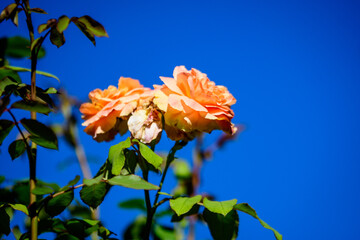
{"x":192,"y":103}
{"x":108,"y":112}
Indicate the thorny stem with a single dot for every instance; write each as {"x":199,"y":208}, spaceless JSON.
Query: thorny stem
{"x":32,"y":161}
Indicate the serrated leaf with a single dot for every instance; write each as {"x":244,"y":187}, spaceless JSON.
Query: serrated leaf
{"x":4,"y":222}
{"x":33,"y":106}
{"x":57,"y":38}
{"x":84,"y":29}
{"x":21,"y":69}
{"x":93,"y":195}
{"x":135,"y":203}
{"x":17,"y":148}
{"x":117,"y":156}
{"x":222,"y":227}
{"x":132,"y":181}
{"x":20,"y":207}
{"x":58,"y":204}
{"x":42,"y":190}
{"x":5,"y":128}
{"x":19,"y":47}
{"x":150,"y":156}
{"x":244,"y":207}
{"x":182,"y":205}
{"x":93,"y":26}
{"x":63,"y":23}
{"x":223,"y":207}
{"x":38,"y":10}
{"x":40,"y":133}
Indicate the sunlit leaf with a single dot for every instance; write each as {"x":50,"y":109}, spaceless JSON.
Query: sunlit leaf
{"x":84,"y":30}
{"x":57,"y":38}
{"x":132,"y":181}
{"x":58,"y":204}
{"x":150,"y":156}
{"x":93,"y":26}
{"x":117,"y":156}
{"x":223,"y":207}
{"x":7,"y":12}
{"x":17,"y":148}
{"x":182,"y":205}
{"x":21,"y":69}
{"x":40,"y":133}
{"x":50,"y":23}
{"x":90,"y":182}
{"x":93,"y":195}
{"x":244,"y":207}
{"x":33,"y":106}
{"x":222,"y":227}
{"x":20,"y":207}
{"x":135,"y":203}
{"x":192,"y":211}
{"x":63,"y":23}
{"x":5,"y":128}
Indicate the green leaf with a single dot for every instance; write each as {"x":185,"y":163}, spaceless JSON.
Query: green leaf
{"x":74,"y":181}
{"x":181,"y":169}
{"x":7,"y":85}
{"x":9,"y":73}
{"x":63,"y":23}
{"x":130,"y":161}
{"x":20,"y":207}
{"x":58,"y":204}
{"x":21,"y":69}
{"x":136,"y":230}
{"x":57,"y":38}
{"x":40,"y":134}
{"x":50,"y":23}
{"x":150,"y":156}
{"x":51,"y":90}
{"x":132,"y":181}
{"x":244,"y":207}
{"x":93,"y":26}
{"x":117,"y":156}
{"x":84,"y":30}
{"x":193,"y":210}
{"x":223,"y":207}
{"x":33,"y":106}
{"x":19,"y":47}
{"x":17,"y":148}
{"x":5,"y":128}
{"x":38,"y":10}
{"x":136,"y":203}
{"x":7,"y":12}
{"x":183,"y":205}
{"x":42,"y":190}
{"x":90,"y":182}
{"x":222,"y":227}
{"x":4,"y":222}
{"x":164,"y":233}
{"x":94,"y":195}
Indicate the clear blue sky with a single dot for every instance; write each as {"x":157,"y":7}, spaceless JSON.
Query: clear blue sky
{"x":294,"y":68}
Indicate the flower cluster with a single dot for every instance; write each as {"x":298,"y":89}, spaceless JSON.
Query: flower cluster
{"x":187,"y":105}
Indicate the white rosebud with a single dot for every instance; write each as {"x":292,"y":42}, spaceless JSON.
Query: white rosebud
{"x":145,"y":124}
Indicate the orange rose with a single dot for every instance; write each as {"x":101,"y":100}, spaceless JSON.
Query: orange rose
{"x":192,"y":103}
{"x":109,"y":109}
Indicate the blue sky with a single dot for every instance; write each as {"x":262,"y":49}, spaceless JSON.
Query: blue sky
{"x":294,"y":68}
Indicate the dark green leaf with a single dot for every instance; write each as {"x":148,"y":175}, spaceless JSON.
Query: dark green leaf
{"x":193,"y":210}
{"x":4,"y":222}
{"x":164,"y":233}
{"x":136,"y":203}
{"x":132,"y":181}
{"x":9,"y":73}
{"x":222,"y":227}
{"x":57,"y":38}
{"x":93,"y":26}
{"x":42,"y":190}
{"x":2,"y":179}
{"x":21,"y":69}
{"x":4,"y":102}
{"x":50,"y":23}
{"x":16,"y":231}
{"x":62,"y":24}
{"x":244,"y":207}
{"x":33,"y":106}
{"x":74,"y":181}
{"x":7,"y":85}
{"x":94,"y":195}
{"x":117,"y":156}
{"x":38,"y":10}
{"x":5,"y":128}
{"x":58,"y":204}
{"x":19,"y":47}
{"x":150,"y":156}
{"x":79,"y":211}
{"x":7,"y":11}
{"x":40,"y":134}
{"x":84,"y":29}
{"x":130,"y":161}
{"x":17,"y":148}
{"x":182,"y":205}
{"x":136,"y":230}
{"x":223,"y":207}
